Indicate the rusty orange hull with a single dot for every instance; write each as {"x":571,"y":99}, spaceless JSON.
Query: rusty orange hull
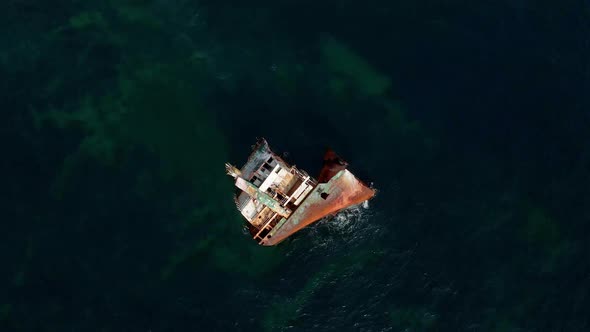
{"x":278,"y":199}
{"x":342,"y":190}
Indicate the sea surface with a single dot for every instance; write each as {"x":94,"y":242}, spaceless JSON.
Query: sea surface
{"x":470,"y":118}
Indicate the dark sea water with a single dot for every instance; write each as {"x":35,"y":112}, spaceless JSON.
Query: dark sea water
{"x":471,"y":118}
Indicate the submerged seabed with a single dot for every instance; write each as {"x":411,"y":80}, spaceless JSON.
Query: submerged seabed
{"x":471,"y":119}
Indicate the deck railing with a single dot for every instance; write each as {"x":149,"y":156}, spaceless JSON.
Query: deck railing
{"x":266,"y":226}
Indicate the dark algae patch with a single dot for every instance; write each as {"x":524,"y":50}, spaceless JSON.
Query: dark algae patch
{"x":470,"y":118}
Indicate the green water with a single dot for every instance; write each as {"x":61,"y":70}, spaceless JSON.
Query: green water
{"x":470,"y":118}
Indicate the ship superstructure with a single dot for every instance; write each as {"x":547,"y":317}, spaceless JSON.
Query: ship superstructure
{"x":278,"y":199}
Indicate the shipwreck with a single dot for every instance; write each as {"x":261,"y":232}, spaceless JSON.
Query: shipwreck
{"x":278,"y":199}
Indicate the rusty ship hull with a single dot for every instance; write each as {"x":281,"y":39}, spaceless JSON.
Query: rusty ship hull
{"x":278,"y":199}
